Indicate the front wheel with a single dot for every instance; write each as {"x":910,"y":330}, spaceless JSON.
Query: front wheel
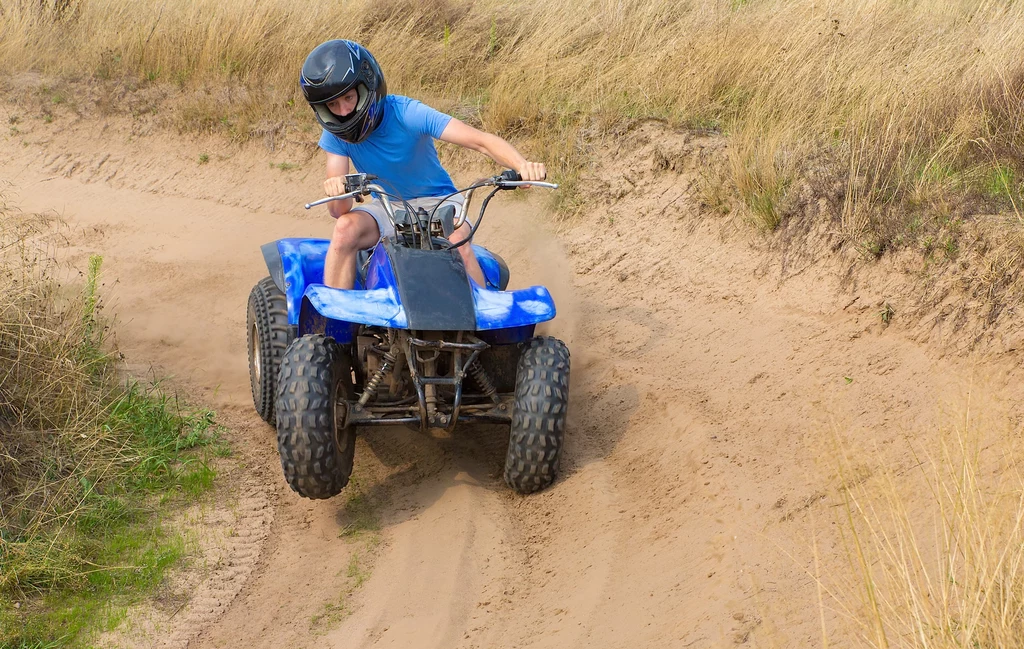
{"x":313,"y":392}
{"x":538,"y":417}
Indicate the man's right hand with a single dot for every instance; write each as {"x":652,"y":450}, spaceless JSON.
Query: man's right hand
{"x":334,"y":186}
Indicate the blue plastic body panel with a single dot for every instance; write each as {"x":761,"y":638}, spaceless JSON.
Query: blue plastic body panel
{"x":302,"y":261}
{"x":504,"y":309}
{"x":508,"y":336}
{"x":488,"y":263}
{"x":506,"y":316}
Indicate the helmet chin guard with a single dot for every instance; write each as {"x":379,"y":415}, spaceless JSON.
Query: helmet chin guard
{"x":332,"y":69}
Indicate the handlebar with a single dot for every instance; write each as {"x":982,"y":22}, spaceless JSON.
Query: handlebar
{"x":358,"y":185}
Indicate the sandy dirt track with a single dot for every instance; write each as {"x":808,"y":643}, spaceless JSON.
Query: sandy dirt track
{"x":705,"y":392}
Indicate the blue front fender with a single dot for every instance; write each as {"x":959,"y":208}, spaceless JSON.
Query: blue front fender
{"x":382,"y":308}
{"x":505,"y":309}
{"x":297,"y":267}
{"x":377,"y":307}
{"x":294,"y":264}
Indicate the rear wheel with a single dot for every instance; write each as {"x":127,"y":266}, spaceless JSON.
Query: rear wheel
{"x":268,"y":335}
{"x":315,"y":386}
{"x":538,"y":417}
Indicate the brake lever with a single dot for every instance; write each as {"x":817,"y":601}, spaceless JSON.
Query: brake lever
{"x":341,"y":197}
{"x":526,"y":183}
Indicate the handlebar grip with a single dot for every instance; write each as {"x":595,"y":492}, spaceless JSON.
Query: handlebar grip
{"x":511,"y":175}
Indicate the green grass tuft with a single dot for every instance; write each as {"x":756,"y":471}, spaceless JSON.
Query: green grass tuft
{"x":108,"y":545}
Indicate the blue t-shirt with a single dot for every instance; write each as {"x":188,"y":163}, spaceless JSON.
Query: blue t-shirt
{"x":400,"y":151}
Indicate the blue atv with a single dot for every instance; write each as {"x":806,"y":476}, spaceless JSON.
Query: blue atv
{"x":416,"y":342}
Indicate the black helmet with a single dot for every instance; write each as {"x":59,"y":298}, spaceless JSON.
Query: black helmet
{"x":332,"y":69}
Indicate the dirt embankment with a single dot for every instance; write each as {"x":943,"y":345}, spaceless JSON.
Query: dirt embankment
{"x":710,"y":373}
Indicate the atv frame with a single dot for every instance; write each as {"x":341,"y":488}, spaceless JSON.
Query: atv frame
{"x":416,"y":342}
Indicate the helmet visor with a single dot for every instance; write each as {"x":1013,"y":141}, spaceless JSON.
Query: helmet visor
{"x":330,"y":119}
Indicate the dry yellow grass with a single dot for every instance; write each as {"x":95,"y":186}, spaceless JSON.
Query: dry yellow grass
{"x":55,"y":383}
{"x":938,"y":546}
{"x":48,"y":339}
{"x":915,"y":107}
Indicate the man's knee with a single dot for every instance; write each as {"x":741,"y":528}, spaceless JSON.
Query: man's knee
{"x":348,"y":231}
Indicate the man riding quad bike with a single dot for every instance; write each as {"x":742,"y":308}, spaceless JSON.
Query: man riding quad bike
{"x":422,"y":331}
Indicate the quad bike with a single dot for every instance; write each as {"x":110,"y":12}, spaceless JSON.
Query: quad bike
{"x":416,"y":342}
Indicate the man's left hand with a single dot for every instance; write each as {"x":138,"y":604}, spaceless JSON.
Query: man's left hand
{"x":533,"y":171}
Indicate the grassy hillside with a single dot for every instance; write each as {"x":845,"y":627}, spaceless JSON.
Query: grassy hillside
{"x":906,"y":114}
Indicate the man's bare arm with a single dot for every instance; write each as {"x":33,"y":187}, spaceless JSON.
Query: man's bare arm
{"x":337,"y":167}
{"x":493,"y":147}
